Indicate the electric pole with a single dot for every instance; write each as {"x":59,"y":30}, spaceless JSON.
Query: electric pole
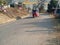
{"x":56,"y":6}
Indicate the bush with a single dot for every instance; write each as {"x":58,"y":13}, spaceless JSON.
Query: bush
{"x":0,"y":2}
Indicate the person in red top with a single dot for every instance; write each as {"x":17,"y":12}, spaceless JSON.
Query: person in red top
{"x":35,"y":13}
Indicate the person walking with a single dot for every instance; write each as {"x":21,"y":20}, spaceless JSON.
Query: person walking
{"x":34,"y":12}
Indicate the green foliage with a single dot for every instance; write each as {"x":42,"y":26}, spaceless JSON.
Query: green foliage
{"x":0,"y":2}
{"x":3,"y":2}
{"x":51,"y":5}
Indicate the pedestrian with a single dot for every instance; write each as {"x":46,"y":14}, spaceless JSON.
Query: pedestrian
{"x":34,"y":12}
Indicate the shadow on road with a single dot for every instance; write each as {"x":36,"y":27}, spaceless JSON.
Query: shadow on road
{"x":45,"y":23}
{"x":28,"y":17}
{"x":53,"y":41}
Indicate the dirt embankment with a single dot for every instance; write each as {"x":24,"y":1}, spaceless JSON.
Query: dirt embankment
{"x":12,"y":14}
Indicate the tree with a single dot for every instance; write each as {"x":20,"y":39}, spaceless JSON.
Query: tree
{"x":41,"y":5}
{"x":51,"y":5}
{"x":3,"y":2}
{"x":0,"y":2}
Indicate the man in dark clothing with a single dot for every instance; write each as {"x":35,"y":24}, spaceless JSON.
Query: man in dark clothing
{"x":34,"y":13}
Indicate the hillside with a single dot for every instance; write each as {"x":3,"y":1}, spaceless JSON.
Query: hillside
{"x":12,"y":14}
{"x":4,"y":18}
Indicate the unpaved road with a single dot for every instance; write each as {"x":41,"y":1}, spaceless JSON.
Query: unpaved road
{"x":29,"y":31}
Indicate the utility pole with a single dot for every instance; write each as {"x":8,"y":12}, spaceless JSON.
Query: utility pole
{"x":57,"y":7}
